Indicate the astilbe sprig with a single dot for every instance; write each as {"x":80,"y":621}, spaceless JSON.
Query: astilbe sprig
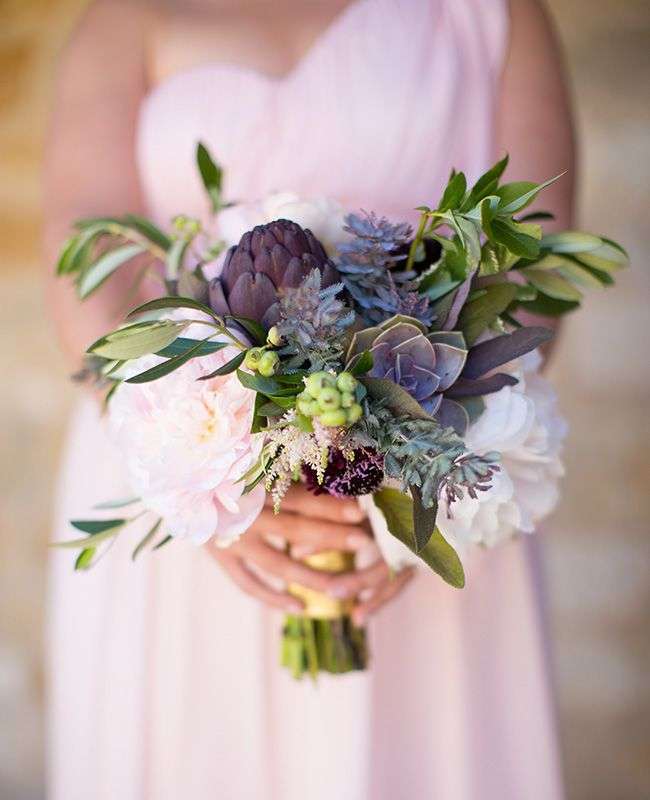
{"x":312,"y":320}
{"x":368,"y":264}
{"x":288,"y":449}
{"x":421,"y":453}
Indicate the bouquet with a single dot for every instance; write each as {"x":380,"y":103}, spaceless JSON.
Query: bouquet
{"x":293,"y":341}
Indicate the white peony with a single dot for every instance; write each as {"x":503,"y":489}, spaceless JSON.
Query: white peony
{"x":185,"y":444}
{"x":522,"y":423}
{"x":323,"y":217}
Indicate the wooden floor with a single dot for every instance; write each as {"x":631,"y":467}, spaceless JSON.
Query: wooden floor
{"x":597,"y":547}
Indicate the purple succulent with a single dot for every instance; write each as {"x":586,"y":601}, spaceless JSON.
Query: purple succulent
{"x":437,"y":369}
{"x":267,"y":259}
{"x":424,"y":367}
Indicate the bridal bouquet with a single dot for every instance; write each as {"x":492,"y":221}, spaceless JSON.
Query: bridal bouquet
{"x":294,"y":342}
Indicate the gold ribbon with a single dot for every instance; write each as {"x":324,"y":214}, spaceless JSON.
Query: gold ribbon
{"x":317,"y":604}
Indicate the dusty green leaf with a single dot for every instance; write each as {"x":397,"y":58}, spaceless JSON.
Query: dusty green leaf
{"x":438,"y":554}
{"x":139,"y":339}
{"x":94,"y":275}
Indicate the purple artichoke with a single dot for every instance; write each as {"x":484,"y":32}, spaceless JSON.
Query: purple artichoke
{"x":267,"y":259}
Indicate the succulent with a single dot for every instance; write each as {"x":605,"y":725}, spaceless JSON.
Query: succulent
{"x":267,"y":259}
{"x":437,"y":369}
{"x":369,"y":267}
{"x":424,"y":365}
{"x":312,"y":321}
{"x":347,"y":475}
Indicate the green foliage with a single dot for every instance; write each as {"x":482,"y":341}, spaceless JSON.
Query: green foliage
{"x":139,"y":339}
{"x":211,"y":175}
{"x":437,"y":553}
{"x":486,"y":235}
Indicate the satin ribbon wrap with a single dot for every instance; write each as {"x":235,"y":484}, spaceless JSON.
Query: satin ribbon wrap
{"x":317,"y":604}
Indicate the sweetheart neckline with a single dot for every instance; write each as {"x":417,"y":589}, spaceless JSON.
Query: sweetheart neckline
{"x":321,"y":39}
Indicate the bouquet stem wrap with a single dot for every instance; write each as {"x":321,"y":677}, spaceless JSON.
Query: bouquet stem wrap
{"x":323,"y":638}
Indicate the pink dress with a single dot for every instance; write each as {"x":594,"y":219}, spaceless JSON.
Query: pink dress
{"x":164,"y":678}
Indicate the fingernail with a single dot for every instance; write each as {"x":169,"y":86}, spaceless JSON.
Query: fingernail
{"x":339,"y":592}
{"x":294,"y":608}
{"x":355,"y":540}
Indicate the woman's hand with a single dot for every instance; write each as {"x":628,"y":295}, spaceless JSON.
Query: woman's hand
{"x":309,"y":524}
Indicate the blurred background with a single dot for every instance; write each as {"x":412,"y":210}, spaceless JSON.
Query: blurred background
{"x":597,"y":546}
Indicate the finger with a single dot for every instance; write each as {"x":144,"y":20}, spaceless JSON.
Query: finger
{"x":252,"y":585}
{"x":350,"y":584}
{"x":385,"y":592}
{"x":311,"y":535}
{"x":300,"y":500}
{"x":281,"y":566}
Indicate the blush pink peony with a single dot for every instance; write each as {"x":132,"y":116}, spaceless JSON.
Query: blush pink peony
{"x":185,"y":444}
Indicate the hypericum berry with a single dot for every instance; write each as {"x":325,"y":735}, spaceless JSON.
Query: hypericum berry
{"x":329,"y":398}
{"x":354,"y":413}
{"x":333,"y":419}
{"x":307,"y":406}
{"x":268,"y":364}
{"x":347,"y":400}
{"x":273,"y":337}
{"x":253,"y":358}
{"x":317,"y":381}
{"x":346,"y":382}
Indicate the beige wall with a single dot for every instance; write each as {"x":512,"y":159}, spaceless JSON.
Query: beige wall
{"x":598,"y":550}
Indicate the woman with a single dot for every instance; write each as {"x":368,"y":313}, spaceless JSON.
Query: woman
{"x":164,"y":681}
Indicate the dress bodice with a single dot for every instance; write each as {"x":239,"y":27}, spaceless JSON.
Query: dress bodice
{"x":392,"y":94}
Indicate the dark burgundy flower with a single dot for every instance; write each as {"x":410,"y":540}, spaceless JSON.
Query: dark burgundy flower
{"x":344,"y":478}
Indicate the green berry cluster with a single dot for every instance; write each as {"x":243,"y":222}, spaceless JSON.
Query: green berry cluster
{"x":258,"y":359}
{"x":330,"y":398}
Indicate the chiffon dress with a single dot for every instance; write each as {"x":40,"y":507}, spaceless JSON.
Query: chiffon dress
{"x":164,"y":681}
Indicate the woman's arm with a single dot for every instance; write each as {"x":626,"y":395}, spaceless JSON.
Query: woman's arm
{"x":534,"y":118}
{"x":90,"y":156}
